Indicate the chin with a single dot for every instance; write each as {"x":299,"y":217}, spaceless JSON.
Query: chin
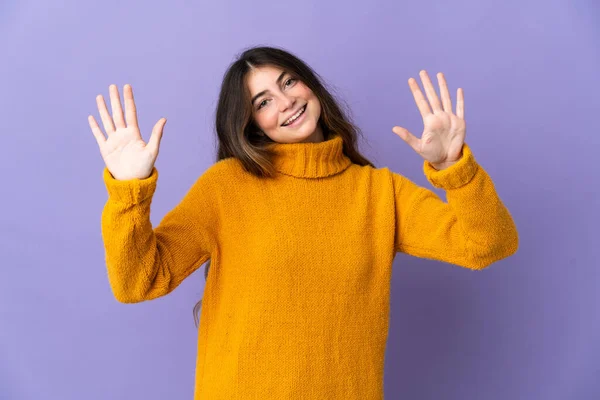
{"x":304,"y":135}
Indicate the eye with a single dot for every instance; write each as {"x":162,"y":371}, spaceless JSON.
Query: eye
{"x":261,"y":104}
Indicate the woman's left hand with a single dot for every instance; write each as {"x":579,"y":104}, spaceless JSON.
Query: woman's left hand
{"x":444,"y":133}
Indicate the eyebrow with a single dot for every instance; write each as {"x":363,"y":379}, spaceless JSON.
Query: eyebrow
{"x":265,"y":91}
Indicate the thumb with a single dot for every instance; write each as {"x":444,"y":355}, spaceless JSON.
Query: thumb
{"x":156,"y":136}
{"x":408,"y":137}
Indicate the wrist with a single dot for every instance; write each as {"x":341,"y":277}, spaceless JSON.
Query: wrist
{"x":442,"y":166}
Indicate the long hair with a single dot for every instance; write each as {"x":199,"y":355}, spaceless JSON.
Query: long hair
{"x":239,"y":136}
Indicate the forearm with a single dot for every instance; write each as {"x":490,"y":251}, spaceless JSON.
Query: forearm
{"x":484,"y":219}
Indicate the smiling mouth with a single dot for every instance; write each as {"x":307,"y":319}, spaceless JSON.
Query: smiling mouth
{"x":303,"y":111}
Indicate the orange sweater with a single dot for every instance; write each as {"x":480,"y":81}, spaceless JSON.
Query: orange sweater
{"x":297,"y":300}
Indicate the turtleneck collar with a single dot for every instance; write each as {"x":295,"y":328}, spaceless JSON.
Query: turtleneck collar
{"x":311,"y":160}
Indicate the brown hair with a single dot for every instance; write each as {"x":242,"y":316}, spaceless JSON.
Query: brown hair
{"x":237,"y":134}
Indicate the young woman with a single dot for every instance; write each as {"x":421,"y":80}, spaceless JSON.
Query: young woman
{"x":300,"y":229}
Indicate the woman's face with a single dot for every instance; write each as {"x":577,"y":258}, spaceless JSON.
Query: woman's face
{"x":276,"y":97}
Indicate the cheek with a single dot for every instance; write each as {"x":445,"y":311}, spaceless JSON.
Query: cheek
{"x":311,"y":96}
{"x":306,"y":92}
{"x":317,"y":104}
{"x":267,"y":119}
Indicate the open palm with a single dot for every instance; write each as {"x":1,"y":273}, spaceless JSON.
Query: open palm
{"x":444,"y":132}
{"x":124,"y":152}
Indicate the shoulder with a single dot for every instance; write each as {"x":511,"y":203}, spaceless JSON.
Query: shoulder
{"x":374,"y":173}
{"x":223,"y":167}
{"x":383,"y":177}
{"x":226,"y":171}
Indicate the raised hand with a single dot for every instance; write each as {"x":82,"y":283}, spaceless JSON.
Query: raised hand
{"x":124,"y":152}
{"x":444,"y":133}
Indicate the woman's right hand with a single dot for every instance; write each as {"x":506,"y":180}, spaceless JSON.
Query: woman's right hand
{"x":124,"y":152}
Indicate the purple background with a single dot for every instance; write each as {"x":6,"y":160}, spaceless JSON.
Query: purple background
{"x":526,"y":328}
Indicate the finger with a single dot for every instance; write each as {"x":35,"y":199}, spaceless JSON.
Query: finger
{"x":96,"y":131}
{"x":117,"y":111}
{"x":130,"y":110}
{"x":107,"y":121}
{"x":408,"y":137}
{"x":460,"y":103}
{"x":421,"y":102}
{"x":446,"y":100}
{"x":430,"y":90}
{"x":156,"y":136}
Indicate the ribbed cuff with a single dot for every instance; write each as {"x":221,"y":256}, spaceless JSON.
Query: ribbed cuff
{"x":456,"y":175}
{"x":131,"y":191}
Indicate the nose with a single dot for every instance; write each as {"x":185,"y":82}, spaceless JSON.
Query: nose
{"x":286,"y":102}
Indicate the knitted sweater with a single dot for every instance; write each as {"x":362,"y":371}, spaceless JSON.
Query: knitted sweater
{"x":297,"y":300}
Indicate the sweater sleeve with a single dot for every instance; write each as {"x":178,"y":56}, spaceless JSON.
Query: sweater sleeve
{"x":473,"y":229}
{"x":145,"y":263}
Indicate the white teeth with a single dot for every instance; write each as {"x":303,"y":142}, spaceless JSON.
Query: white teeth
{"x":294,"y":117}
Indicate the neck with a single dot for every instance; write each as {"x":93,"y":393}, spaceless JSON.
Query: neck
{"x":311,"y":159}
{"x":316,"y":136}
